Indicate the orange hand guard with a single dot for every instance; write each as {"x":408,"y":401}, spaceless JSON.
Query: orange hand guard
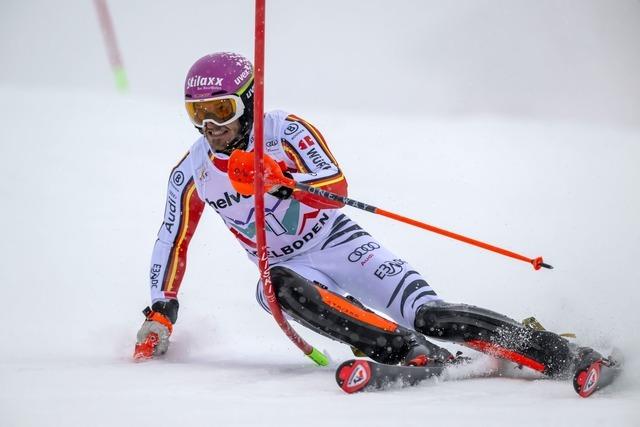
{"x":241,"y":172}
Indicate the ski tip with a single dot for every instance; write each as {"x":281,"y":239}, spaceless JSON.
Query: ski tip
{"x":353,"y":376}
{"x":585,"y":382}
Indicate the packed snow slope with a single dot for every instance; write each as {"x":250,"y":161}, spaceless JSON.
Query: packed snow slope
{"x":83,"y":196}
{"x":542,"y":160}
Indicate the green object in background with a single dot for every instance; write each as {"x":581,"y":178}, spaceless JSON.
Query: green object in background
{"x":121,"y":79}
{"x":318,"y":357}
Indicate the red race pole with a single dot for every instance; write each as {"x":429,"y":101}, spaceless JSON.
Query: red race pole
{"x":258,"y":182}
{"x":111,"y":44}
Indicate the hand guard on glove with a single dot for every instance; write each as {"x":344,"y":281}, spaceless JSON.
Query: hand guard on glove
{"x":241,"y":173}
{"x":153,"y":337}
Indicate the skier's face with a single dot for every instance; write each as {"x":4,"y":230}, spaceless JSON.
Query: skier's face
{"x":219,"y":137}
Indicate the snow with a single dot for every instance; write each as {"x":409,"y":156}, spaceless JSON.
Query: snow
{"x":82,"y":188}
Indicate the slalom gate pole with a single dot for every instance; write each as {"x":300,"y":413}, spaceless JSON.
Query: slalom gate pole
{"x":112,"y":45}
{"x":536,"y":262}
{"x":263,"y":259}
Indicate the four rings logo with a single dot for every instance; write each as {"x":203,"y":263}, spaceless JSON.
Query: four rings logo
{"x":358,"y":253}
{"x":291,"y":129}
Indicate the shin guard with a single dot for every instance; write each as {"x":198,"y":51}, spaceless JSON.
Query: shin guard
{"x":495,"y":334}
{"x":343,"y":319}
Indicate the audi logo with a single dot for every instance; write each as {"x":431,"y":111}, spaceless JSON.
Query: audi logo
{"x":358,"y":253}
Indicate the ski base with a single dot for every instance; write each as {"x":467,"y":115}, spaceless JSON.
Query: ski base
{"x":357,"y":375}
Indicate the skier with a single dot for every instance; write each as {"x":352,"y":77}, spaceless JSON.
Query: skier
{"x":329,"y":273}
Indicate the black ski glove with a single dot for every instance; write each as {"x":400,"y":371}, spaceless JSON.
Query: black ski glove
{"x":280,"y":191}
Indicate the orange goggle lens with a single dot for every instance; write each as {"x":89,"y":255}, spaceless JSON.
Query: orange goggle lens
{"x":220,"y":111}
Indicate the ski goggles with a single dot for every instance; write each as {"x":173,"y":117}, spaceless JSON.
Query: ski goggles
{"x":220,"y":110}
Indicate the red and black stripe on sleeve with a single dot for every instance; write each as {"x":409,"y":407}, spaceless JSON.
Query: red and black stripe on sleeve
{"x":335,"y":183}
{"x":192,"y":208}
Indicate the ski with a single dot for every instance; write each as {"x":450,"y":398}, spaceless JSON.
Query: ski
{"x":594,"y":372}
{"x":357,"y":375}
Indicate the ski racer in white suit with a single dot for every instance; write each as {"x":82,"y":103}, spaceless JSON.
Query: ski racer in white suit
{"x":315,"y":250}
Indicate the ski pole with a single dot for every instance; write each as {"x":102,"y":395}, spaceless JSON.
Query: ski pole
{"x":288,"y":182}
